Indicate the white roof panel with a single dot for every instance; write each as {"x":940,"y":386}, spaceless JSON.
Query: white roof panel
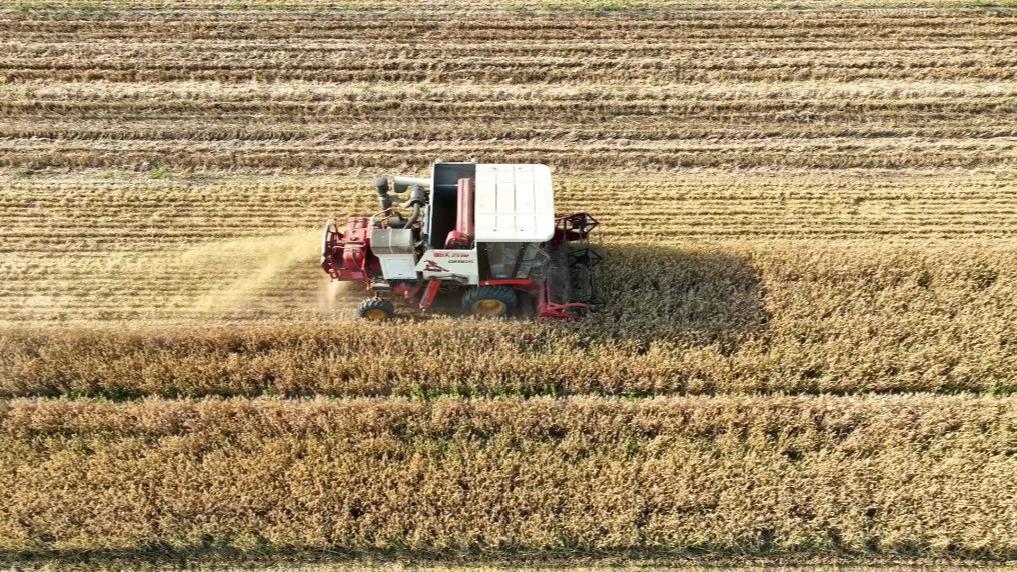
{"x":514,"y":203}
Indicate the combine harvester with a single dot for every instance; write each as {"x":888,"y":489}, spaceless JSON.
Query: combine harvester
{"x":485,"y":232}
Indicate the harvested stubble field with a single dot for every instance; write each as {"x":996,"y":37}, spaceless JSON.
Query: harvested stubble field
{"x":809,"y":352}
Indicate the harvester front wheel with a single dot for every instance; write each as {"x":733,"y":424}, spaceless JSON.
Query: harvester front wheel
{"x":376,"y":309}
{"x":490,"y":301}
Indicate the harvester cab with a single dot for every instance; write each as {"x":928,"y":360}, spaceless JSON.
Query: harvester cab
{"x":486,"y":232}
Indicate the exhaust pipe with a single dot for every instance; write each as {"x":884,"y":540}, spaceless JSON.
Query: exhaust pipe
{"x":381,"y":183}
{"x":418,"y":196}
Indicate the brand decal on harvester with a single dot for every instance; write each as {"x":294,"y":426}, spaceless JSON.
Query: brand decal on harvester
{"x":449,"y":263}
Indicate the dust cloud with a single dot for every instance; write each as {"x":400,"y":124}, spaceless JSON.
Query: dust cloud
{"x":246,"y":269}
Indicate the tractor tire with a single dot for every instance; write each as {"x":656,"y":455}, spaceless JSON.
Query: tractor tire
{"x":376,"y":309}
{"x":490,"y":301}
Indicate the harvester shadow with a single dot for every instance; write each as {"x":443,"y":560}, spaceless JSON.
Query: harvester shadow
{"x":699,"y":294}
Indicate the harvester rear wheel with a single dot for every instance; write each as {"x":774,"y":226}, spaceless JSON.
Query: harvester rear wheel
{"x":490,"y":301}
{"x":376,"y":309}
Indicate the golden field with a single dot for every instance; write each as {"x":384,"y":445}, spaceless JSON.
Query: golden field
{"x":668,"y":475}
{"x":808,"y":355}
